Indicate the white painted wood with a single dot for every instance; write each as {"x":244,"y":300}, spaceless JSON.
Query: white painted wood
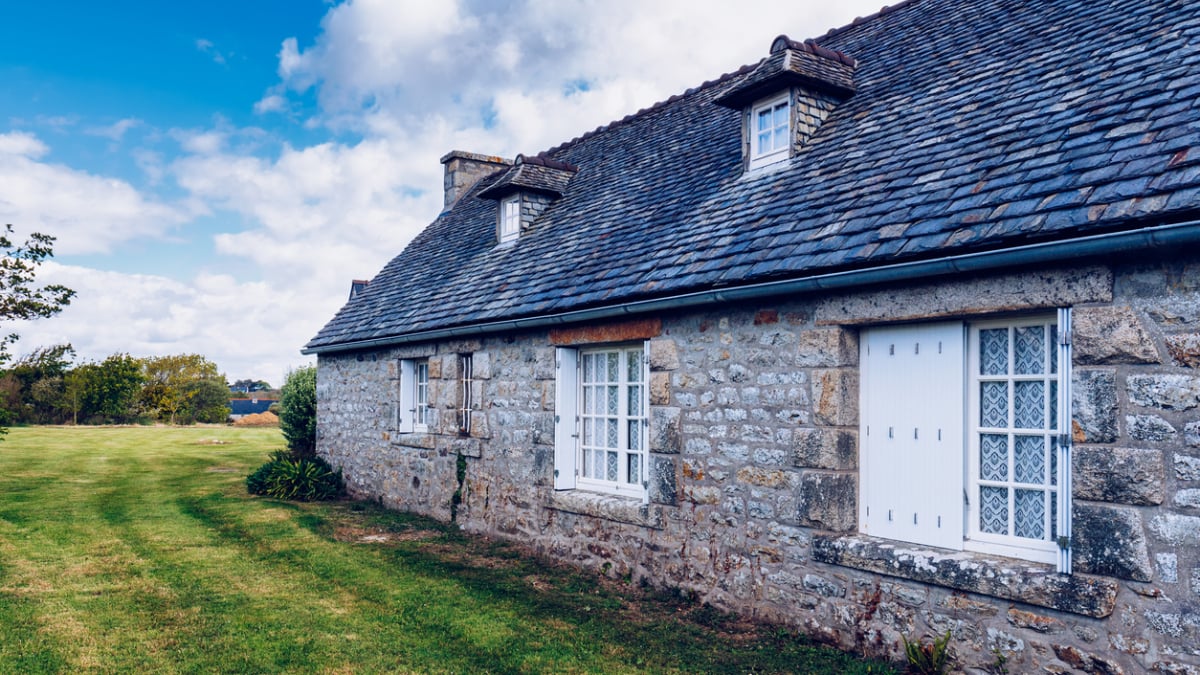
{"x":1064,"y":444}
{"x":407,"y":412}
{"x":566,"y":408}
{"x":912,"y":434}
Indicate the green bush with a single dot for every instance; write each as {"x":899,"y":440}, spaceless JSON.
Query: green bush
{"x":304,"y":479}
{"x":298,"y":411}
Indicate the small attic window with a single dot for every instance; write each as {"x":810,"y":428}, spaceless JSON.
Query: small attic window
{"x":510,"y":218}
{"x":770,"y":121}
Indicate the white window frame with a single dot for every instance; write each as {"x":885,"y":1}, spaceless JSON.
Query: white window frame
{"x":509,"y":227}
{"x":422,"y":412}
{"x":951,"y":461}
{"x":577,"y":426}
{"x":466,"y":402}
{"x":761,"y":156}
{"x":1008,"y":543}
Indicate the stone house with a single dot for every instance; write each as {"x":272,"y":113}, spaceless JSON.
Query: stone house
{"x":892,"y":333}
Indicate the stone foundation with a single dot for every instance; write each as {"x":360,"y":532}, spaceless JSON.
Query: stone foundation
{"x":754,"y":469}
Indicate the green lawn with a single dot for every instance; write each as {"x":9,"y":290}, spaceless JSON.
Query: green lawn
{"x":138,"y":549}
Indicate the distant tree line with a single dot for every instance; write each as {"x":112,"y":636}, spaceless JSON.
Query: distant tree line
{"x":47,"y":387}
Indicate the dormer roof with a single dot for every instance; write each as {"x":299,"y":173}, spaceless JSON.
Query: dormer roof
{"x":537,"y":174}
{"x":791,"y":63}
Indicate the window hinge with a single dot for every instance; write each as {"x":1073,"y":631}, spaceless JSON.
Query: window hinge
{"x":556,"y":473}
{"x":1064,"y":543}
{"x":1064,"y":440}
{"x":1064,"y":338}
{"x":966,"y":499}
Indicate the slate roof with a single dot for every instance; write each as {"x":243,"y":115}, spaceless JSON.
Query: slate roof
{"x":974,"y":125}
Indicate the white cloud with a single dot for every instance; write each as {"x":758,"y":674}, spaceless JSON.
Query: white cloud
{"x":115,"y":131}
{"x":207,"y":47}
{"x":240,"y":326}
{"x":86,"y":212}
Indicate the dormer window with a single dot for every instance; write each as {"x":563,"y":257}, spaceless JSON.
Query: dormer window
{"x":771,"y":122}
{"x":786,"y":99}
{"x":524,"y":191}
{"x":510,"y":219}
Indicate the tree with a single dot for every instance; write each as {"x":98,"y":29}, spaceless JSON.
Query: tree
{"x":39,"y":398}
{"x":20,"y":297}
{"x":298,"y":411}
{"x":208,"y":401}
{"x":109,"y":390}
{"x":169,"y":392}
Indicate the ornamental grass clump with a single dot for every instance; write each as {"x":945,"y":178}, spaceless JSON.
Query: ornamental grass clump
{"x":303,"y":479}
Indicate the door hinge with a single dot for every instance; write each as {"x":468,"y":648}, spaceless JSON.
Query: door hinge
{"x":1064,"y":543}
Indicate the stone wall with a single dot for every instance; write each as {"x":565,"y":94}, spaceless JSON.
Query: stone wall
{"x":754,"y":432}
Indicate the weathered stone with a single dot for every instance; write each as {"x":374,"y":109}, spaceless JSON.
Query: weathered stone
{"x":1034,"y":622}
{"x":1167,"y":624}
{"x":1164,"y":391}
{"x":1185,"y":349}
{"x":1187,"y":468}
{"x":1191,"y":434}
{"x":771,"y":478}
{"x":1094,"y":406}
{"x":1189,"y":498}
{"x":1118,"y":475}
{"x":1087,"y":662}
{"x":1149,"y":428}
{"x":1173,"y":668}
{"x":823,"y":586}
{"x":1107,"y":335}
{"x":662,"y":480}
{"x":1175,"y":529}
{"x":1110,"y":541}
{"x":987,"y":575}
{"x":699,"y":494}
{"x":835,"y":397}
{"x":826,"y":348}
{"x":1167,"y":565}
{"x":481,"y":366}
{"x":660,"y":389}
{"x":665,"y":434}
{"x":822,"y":448}
{"x":664,"y":355}
{"x":828,"y":501}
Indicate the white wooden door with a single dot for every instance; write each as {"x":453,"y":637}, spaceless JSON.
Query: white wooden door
{"x":912,"y":434}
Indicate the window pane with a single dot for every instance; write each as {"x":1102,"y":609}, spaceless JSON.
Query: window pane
{"x":1053,"y":460}
{"x":993,"y":404}
{"x":1029,"y":399}
{"x":764,"y":120}
{"x":1029,"y":460}
{"x":780,"y":140}
{"x":612,"y":400}
{"x":633,"y":361}
{"x":1029,"y":514}
{"x":993,"y":346}
{"x":1053,"y":405}
{"x":781,"y":115}
{"x":611,"y":426}
{"x":1053,"y":515}
{"x":1029,"y":350}
{"x":993,"y":511}
{"x":635,"y":401}
{"x":993,"y":457}
{"x":1054,"y":349}
{"x":764,"y":143}
{"x":613,"y":367}
{"x":635,"y":469}
{"x":612,"y":466}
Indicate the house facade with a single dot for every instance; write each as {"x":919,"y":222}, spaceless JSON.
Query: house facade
{"x":894,"y":332}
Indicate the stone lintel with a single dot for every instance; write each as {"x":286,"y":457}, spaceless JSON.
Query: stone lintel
{"x":617,"y":509}
{"x":1004,"y":578}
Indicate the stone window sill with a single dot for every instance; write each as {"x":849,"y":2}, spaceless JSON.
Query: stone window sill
{"x":420,"y":440}
{"x":617,"y":509}
{"x":1006,"y":578}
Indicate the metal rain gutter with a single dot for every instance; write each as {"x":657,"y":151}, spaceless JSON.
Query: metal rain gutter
{"x":1160,"y":236}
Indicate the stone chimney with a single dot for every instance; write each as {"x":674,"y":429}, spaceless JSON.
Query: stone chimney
{"x":464,"y":169}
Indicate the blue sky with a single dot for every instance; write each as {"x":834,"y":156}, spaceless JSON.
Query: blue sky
{"x":218,"y":172}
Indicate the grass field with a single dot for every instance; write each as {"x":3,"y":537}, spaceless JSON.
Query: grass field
{"x":138,"y":549}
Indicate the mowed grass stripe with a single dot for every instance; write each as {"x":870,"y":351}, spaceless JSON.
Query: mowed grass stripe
{"x":137,"y":549}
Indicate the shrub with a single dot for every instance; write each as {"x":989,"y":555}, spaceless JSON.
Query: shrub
{"x":304,"y":479}
{"x":298,"y":411}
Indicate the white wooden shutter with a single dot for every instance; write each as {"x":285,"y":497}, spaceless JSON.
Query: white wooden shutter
{"x":912,"y":434}
{"x":566,"y":414}
{"x":408,"y":396}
